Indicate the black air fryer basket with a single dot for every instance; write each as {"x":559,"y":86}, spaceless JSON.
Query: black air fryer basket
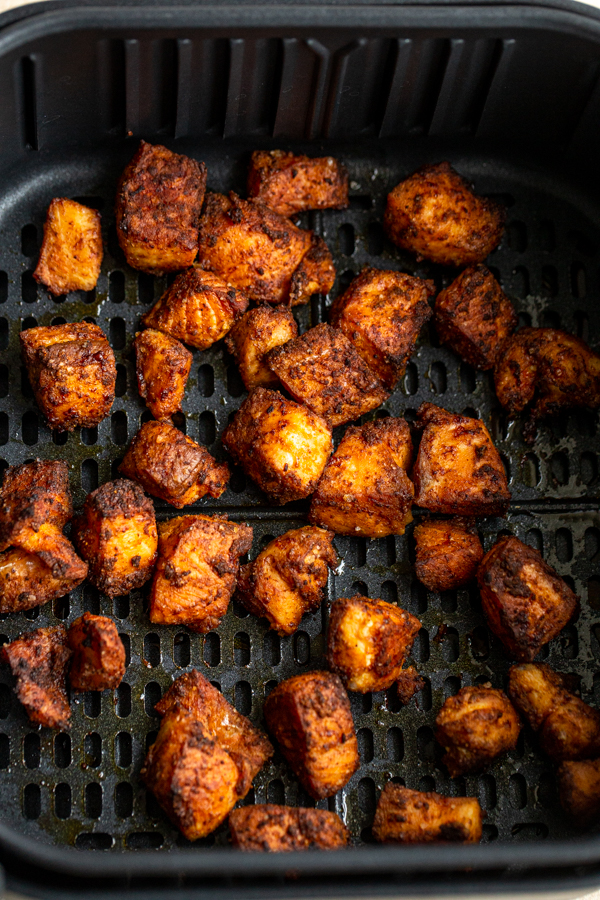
{"x":510,"y":95}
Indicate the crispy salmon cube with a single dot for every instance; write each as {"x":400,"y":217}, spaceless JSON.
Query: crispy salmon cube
{"x":269,"y":828}
{"x":196,"y":572}
{"x":253,"y":335}
{"x":199,"y":308}
{"x":72,"y":372}
{"x":162,"y":367}
{"x":382,"y":314}
{"x":116,"y":535}
{"x":32,"y":495}
{"x":322,"y":369}
{"x":71,"y":254}
{"x":368,"y":642}
{"x":310,"y":717}
{"x":290,"y":184}
{"x":287,"y":578}
{"x":474,"y":727}
{"x":414,"y":817}
{"x":458,"y":469}
{"x":579,"y":789}
{"x":158,"y":206}
{"x":314,"y":275}
{"x":364,"y":489}
{"x":45,"y":569}
{"x":448,"y":553}
{"x":436,"y":215}
{"x":567,"y":728}
{"x":172,"y":466}
{"x":39,"y":661}
{"x":98,"y":662}
{"x":282,"y":445}
{"x":525,"y":601}
{"x":474,"y":317}
{"x":408,"y":684}
{"x":250,"y":246}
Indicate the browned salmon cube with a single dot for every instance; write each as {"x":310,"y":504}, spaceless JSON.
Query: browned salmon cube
{"x":158,"y":206}
{"x":314,"y":275}
{"x":250,"y":246}
{"x":579,"y":789}
{"x":567,"y":727}
{"x":269,"y":828}
{"x":368,"y":642}
{"x":253,"y":335}
{"x":525,"y":601}
{"x":172,"y":466}
{"x":382,"y":314}
{"x":322,"y":369}
{"x":436,"y":215}
{"x":42,"y":568}
{"x":364,"y":489}
{"x":98,"y":662}
{"x":458,"y":469}
{"x":196,"y":572}
{"x":116,"y":535}
{"x":310,"y":717}
{"x":162,"y":369}
{"x":408,"y":684}
{"x":414,"y":817}
{"x":72,"y":372}
{"x":287,"y":578}
{"x":32,"y":495}
{"x":290,"y":184}
{"x":474,"y":727}
{"x":71,"y":253}
{"x":474,"y":317}
{"x":448,"y":553}
{"x":282,"y":445}
{"x":199,"y":308}
{"x":39,"y":661}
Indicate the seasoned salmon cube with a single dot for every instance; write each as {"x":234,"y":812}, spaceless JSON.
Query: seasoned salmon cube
{"x":196,"y":572}
{"x":98,"y":662}
{"x":290,"y":184}
{"x":382,"y":314}
{"x":269,"y":828}
{"x":368,"y":642}
{"x":253,"y":335}
{"x":364,"y":489}
{"x":72,"y":372}
{"x":116,"y":535}
{"x":436,"y":215}
{"x":474,"y":317}
{"x":408,"y":684}
{"x":287,"y":579}
{"x":474,"y":727}
{"x":579,"y":789}
{"x":314,"y":275}
{"x":567,"y":727}
{"x":415,"y":817}
{"x":172,"y":466}
{"x":199,"y":308}
{"x":193,"y":694}
{"x":525,"y":601}
{"x":42,"y":568}
{"x":32,"y":495}
{"x":322,"y":369}
{"x":282,"y":445}
{"x":38,"y":660}
{"x":71,"y":254}
{"x":250,"y":246}
{"x":448,"y":553}
{"x":310,"y":717}
{"x":162,"y":367}
{"x":458,"y":469}
{"x":158,"y":206}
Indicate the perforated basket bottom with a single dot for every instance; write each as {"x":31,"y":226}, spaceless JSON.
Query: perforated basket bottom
{"x":83,"y":788}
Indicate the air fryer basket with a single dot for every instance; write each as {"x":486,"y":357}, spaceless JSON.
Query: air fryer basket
{"x":511,"y":97}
